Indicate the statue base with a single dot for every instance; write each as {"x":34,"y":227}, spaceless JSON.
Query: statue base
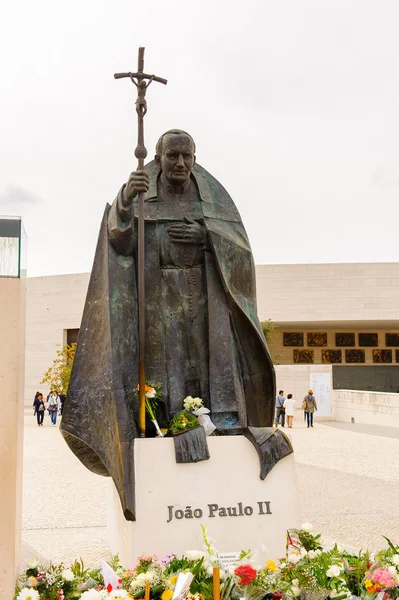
{"x":224,"y":493}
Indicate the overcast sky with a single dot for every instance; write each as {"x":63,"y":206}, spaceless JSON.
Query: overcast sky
{"x":294,"y":105}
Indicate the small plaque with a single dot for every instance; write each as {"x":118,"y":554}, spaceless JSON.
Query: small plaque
{"x":392,"y":339}
{"x":292,"y":339}
{"x":303,"y":356}
{"x":368,"y":339}
{"x":382,"y":356}
{"x":331,"y":356}
{"x":344,"y":339}
{"x":317,"y":339}
{"x":229,"y":559}
{"x":355,"y":356}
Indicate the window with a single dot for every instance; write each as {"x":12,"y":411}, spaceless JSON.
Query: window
{"x":72,"y":336}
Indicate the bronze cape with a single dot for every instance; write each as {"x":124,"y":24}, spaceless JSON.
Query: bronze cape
{"x":100,"y":417}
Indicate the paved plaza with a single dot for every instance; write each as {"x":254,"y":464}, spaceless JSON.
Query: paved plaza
{"x":348,"y":477}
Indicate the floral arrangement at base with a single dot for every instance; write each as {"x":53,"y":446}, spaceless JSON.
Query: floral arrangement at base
{"x":307,"y":572}
{"x":193,"y":415}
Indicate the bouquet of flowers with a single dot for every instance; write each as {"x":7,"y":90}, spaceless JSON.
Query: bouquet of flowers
{"x":307,"y":572}
{"x":153,"y":395}
{"x":197,"y":408}
{"x":148,"y":568}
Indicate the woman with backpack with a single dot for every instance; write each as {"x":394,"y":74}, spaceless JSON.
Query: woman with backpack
{"x":309,"y":406}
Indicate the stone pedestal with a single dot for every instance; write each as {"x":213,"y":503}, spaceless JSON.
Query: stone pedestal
{"x":223,"y":493}
{"x":12,"y":361}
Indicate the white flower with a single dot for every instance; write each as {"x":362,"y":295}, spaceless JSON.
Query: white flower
{"x":308,"y":527}
{"x":32,"y":581}
{"x":90,"y":595}
{"x":32,"y":564}
{"x":151,"y":393}
{"x":317,"y":552}
{"x":335,"y":593}
{"x":303,"y":553}
{"x":312,"y":554}
{"x":119,"y":594}
{"x":334,"y":571}
{"x":192,"y":404}
{"x":209,"y":570}
{"x":194,"y":555}
{"x":295,"y":582}
{"x":296,"y":590}
{"x":395,"y":559}
{"x":28,"y":594}
{"x":67,"y":575}
{"x":150,"y":575}
{"x":392,"y":570}
{"x":293,"y":558}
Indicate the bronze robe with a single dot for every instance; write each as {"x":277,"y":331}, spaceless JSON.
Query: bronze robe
{"x":100,"y":418}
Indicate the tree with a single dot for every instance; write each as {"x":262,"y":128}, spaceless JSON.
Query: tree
{"x":57,"y":376}
{"x":268,"y":328}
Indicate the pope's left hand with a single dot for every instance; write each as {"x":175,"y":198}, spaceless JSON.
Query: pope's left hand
{"x":189,"y":233}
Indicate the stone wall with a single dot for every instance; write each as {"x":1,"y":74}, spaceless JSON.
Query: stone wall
{"x":371,"y":408}
{"x":351,"y":292}
{"x":54,"y":304}
{"x":12,"y":355}
{"x":295,"y":380}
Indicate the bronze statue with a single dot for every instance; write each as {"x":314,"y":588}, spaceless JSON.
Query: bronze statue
{"x":203,"y":336}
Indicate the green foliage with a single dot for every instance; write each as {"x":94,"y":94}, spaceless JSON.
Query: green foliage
{"x":308,"y":540}
{"x":183,"y":421}
{"x":269,"y":329}
{"x":57,"y":377}
{"x":355,"y":568}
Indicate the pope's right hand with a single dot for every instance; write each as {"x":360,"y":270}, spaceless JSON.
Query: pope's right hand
{"x":137,"y":182}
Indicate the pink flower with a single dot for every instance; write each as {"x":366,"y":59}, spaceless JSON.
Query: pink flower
{"x":383,"y":577}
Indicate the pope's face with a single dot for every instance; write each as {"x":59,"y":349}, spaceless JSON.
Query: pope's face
{"x":177,"y":158}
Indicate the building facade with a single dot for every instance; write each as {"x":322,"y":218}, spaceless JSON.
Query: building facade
{"x":325,"y":316}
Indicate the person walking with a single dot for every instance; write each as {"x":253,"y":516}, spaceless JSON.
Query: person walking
{"x":310,"y":406}
{"x":34,"y":406}
{"x":289,"y":406}
{"x":54,"y":406}
{"x":39,"y":409}
{"x":280,"y":410}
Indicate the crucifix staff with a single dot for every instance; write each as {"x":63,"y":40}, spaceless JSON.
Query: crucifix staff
{"x":141,"y":80}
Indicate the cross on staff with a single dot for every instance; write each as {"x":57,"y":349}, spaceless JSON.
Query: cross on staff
{"x":141,"y":80}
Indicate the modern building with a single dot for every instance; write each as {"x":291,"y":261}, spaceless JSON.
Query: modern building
{"x":330,"y":320}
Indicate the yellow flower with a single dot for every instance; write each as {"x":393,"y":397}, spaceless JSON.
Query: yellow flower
{"x":368,"y":583}
{"x":172,"y":581}
{"x":167,"y":594}
{"x":32,"y":581}
{"x":271,"y":565}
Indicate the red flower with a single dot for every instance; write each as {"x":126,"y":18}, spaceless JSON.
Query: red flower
{"x":277,"y":595}
{"x":247,"y":574}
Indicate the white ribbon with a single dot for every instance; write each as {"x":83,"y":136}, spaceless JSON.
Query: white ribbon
{"x":205,"y":420}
